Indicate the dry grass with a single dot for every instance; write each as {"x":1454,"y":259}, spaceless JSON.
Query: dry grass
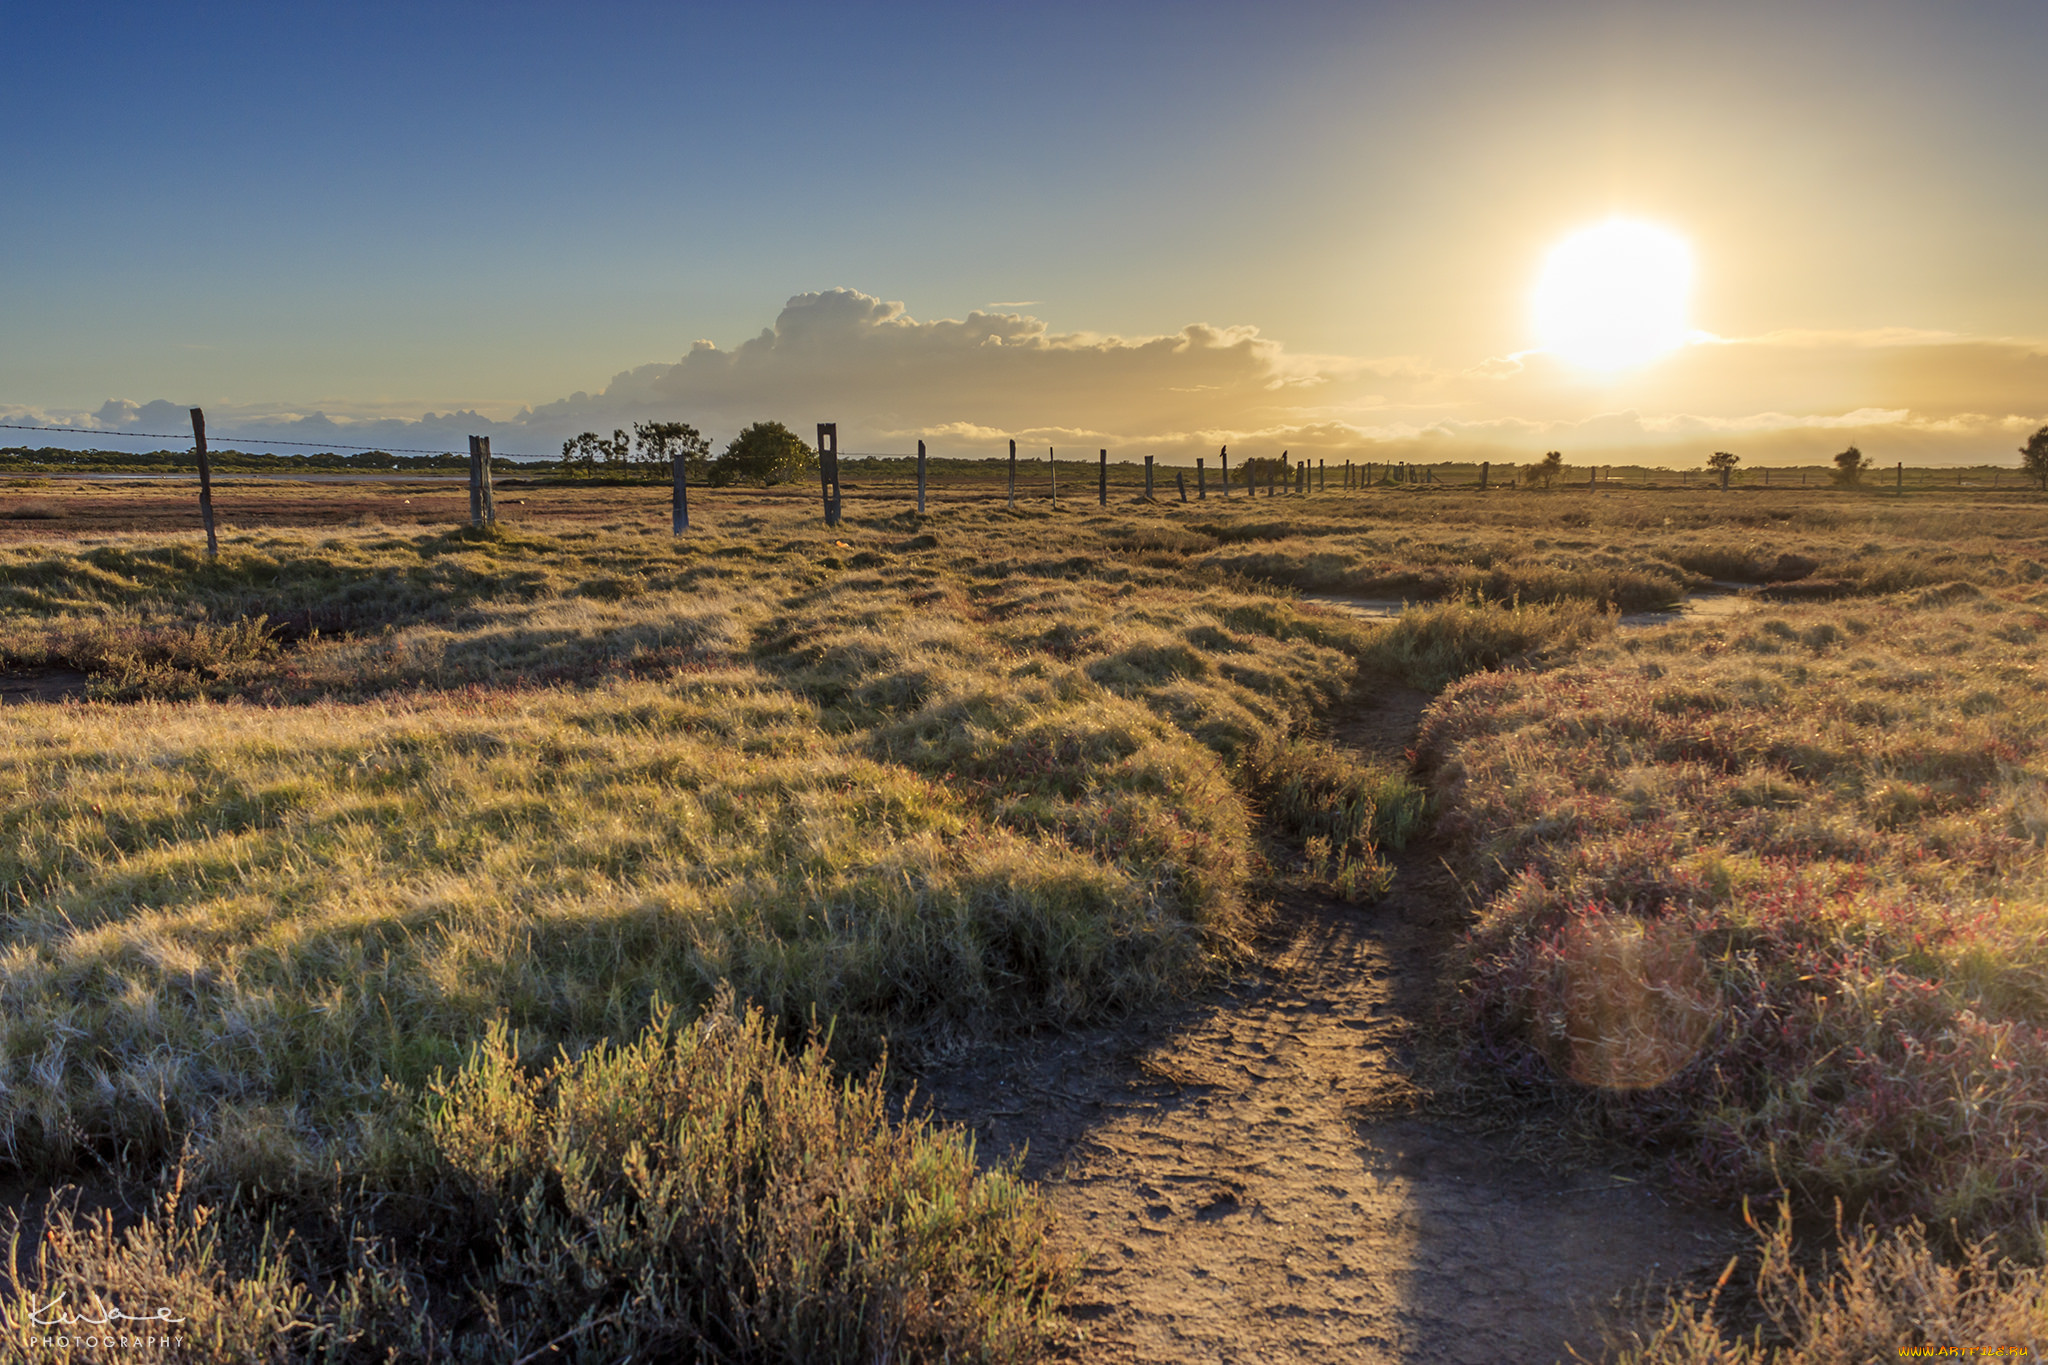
{"x":1773,"y":889}
{"x":699,"y":1192}
{"x":374,"y":805}
{"x":1878,"y":1296}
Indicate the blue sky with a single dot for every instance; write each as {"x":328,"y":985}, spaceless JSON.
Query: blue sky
{"x":370,"y":211}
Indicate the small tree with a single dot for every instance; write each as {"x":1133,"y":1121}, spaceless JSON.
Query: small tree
{"x":1546,"y":470}
{"x":662,"y":443}
{"x":1850,"y":467}
{"x":1723,"y":464}
{"x":766,"y":453}
{"x":2034,"y":457}
{"x":583,"y":450}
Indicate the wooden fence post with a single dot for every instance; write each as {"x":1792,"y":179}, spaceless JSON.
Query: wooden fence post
{"x":1201,"y":479}
{"x":1148,"y":478}
{"x":679,"y":493}
{"x":1322,"y":476}
{"x":1272,"y":479}
{"x":828,"y":469}
{"x":1180,"y":480}
{"x":1900,"y":485}
{"x":1013,"y":473}
{"x":1224,"y":456}
{"x":483,"y":450}
{"x":476,"y":487}
{"x":920,"y":478}
{"x":1102,"y":479}
{"x":1593,"y":477}
{"x":1485,"y":471}
{"x":205,"y":482}
{"x":1053,"y":465}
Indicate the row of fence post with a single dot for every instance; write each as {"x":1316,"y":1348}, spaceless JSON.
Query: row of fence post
{"x":483,"y":510}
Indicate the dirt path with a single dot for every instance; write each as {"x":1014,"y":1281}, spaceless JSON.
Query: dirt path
{"x":1248,"y":1182}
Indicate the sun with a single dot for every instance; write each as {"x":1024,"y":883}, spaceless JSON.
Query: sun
{"x":1614,"y":295}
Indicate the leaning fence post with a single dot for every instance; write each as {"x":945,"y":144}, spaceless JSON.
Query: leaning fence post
{"x":828,"y":469}
{"x":205,"y":482}
{"x":483,"y":463}
{"x":1201,"y":479}
{"x":920,"y":478}
{"x":1180,"y":481}
{"x":1013,"y":473}
{"x":1102,"y":478}
{"x":1224,"y":455}
{"x":1148,"y":478}
{"x":476,"y":487}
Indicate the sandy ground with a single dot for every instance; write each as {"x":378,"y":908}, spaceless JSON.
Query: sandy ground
{"x":1249,"y":1179}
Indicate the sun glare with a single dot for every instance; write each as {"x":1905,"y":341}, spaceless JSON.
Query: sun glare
{"x":1614,"y":295}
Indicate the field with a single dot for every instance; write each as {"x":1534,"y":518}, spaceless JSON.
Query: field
{"x":444,"y":943}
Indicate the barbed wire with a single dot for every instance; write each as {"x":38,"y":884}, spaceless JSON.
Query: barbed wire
{"x":214,"y":437}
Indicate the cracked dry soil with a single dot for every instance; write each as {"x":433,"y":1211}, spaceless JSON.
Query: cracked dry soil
{"x":1248,"y":1178}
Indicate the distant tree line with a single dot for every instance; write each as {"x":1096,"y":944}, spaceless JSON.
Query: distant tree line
{"x":765,"y":454}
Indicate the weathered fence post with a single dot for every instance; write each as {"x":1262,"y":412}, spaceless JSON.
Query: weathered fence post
{"x":1053,"y":466}
{"x":1322,"y":476}
{"x":920,"y":478}
{"x":1900,"y":485}
{"x":679,"y":496}
{"x":1013,"y":473}
{"x":483,"y":451}
{"x":1201,"y":479}
{"x":1485,"y":472}
{"x":1224,"y":456}
{"x":1180,"y":480}
{"x":828,"y":469}
{"x":1148,"y":478}
{"x":1102,"y":479}
{"x":1593,"y":477}
{"x":205,"y":482}
{"x":476,"y":487}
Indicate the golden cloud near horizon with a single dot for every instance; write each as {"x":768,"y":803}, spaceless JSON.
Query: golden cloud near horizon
{"x":967,"y":385}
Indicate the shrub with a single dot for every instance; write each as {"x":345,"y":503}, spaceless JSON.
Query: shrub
{"x":703,"y":1190}
{"x":766,"y":453}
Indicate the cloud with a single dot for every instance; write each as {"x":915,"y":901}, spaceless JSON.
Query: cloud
{"x":968,"y":385}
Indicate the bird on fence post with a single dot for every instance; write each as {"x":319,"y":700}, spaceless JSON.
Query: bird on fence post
{"x":1013,"y":473}
{"x":1224,"y":456}
{"x":205,"y":482}
{"x":1201,"y":479}
{"x":920,"y":478}
{"x":1102,"y":479}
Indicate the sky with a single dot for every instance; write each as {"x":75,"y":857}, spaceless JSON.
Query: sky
{"x":1155,"y":228}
